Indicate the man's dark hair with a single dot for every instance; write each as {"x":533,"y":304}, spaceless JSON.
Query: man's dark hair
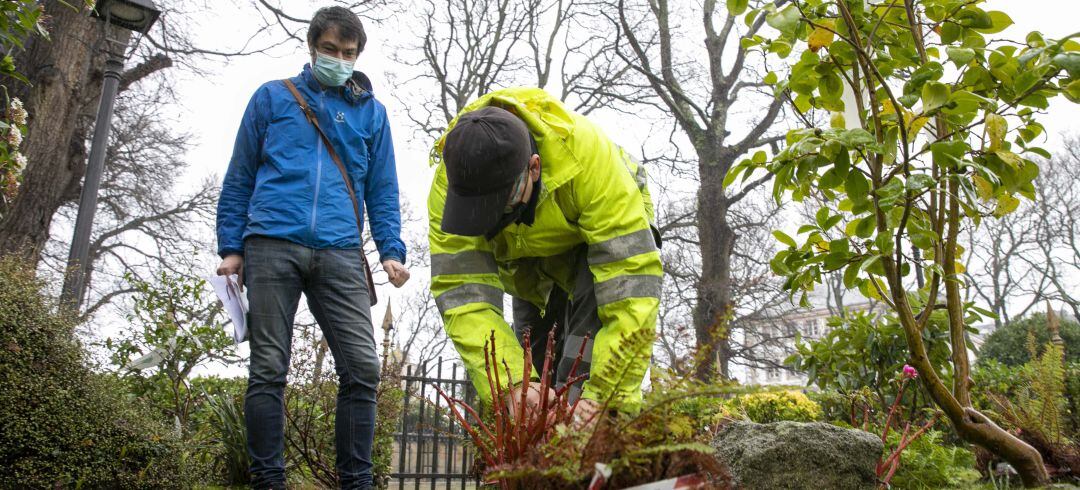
{"x":344,"y":20}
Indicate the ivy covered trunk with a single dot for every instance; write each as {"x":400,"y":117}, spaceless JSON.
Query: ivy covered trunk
{"x":65,"y":74}
{"x":932,"y":151}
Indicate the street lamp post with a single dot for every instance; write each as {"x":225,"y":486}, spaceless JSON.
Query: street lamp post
{"x":137,"y":16}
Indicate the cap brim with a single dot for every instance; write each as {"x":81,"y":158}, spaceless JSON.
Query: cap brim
{"x":473,"y":215}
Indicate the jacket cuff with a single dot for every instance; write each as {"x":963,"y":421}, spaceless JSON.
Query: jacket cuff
{"x":391,"y":256}
{"x":225,"y":252}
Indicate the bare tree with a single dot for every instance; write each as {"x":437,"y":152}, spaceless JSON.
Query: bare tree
{"x":999,"y":266}
{"x":701,"y":97}
{"x":65,"y":84}
{"x":143,"y":224}
{"x":1058,"y":226}
{"x":471,"y":47}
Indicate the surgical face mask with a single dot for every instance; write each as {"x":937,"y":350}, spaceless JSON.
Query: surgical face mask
{"x":331,"y":71}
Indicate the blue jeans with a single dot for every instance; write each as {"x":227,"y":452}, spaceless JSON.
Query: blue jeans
{"x":275,"y":273}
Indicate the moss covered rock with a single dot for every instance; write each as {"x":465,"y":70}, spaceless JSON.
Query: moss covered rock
{"x":794,"y":455}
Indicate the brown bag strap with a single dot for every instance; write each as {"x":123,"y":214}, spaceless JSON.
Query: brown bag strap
{"x":314,"y":120}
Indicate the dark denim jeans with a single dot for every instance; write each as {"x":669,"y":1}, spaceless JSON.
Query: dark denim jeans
{"x":276,"y":272}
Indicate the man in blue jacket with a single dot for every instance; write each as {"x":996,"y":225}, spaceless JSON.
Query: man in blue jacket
{"x":286,"y":226}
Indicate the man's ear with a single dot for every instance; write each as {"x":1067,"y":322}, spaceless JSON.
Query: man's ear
{"x":534,"y":167}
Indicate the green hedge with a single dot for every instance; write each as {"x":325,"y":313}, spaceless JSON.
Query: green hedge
{"x":62,"y":425}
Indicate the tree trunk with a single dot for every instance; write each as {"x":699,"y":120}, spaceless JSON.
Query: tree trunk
{"x":712,"y":316}
{"x":64,"y":77}
{"x":971,"y":425}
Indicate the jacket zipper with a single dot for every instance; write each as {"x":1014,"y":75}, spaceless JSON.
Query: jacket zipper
{"x":318,"y":175}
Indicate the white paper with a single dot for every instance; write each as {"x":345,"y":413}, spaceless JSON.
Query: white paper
{"x":235,"y":303}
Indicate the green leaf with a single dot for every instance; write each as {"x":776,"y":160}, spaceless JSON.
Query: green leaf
{"x":784,"y":238}
{"x":999,"y":21}
{"x":802,"y":103}
{"x":925,"y":73}
{"x":785,"y":20}
{"x":831,"y":179}
{"x":996,"y":127}
{"x":836,"y":120}
{"x":884,"y":243}
{"x":975,"y":18}
{"x":983,"y":187}
{"x":857,"y":187}
{"x":865,"y":228}
{"x":851,"y":274}
{"x":1006,"y":204}
{"x":821,"y":217}
{"x":1072,"y":92}
{"x":770,"y":78}
{"x":918,"y":182}
{"x":736,"y":7}
{"x":1070,"y":62}
{"x":760,"y":157}
{"x":852,"y":138}
{"x":934,"y":95}
{"x":960,"y":56}
{"x":869,"y":262}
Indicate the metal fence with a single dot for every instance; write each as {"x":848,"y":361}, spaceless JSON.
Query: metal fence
{"x":430,"y":445}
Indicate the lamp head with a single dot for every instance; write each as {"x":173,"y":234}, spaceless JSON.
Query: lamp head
{"x":134,"y":15}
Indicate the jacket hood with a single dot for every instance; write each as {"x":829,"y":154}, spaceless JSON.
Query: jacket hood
{"x":549,"y":122}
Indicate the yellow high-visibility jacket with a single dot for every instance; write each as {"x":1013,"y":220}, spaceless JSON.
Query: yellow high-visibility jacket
{"x":592,"y":192}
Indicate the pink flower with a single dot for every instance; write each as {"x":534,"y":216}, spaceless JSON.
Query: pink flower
{"x":910,"y":372}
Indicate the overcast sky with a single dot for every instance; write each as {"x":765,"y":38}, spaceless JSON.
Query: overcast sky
{"x":210,"y":106}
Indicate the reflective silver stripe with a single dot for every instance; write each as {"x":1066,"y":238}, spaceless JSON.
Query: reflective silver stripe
{"x":639,"y":176}
{"x":623,"y":287}
{"x":470,"y":293}
{"x":622,"y":247}
{"x":471,"y":262}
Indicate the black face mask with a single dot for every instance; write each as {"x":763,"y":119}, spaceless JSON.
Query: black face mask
{"x":524,"y":213}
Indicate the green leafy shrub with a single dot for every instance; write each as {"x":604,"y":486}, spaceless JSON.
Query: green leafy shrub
{"x":1038,"y":409}
{"x":226,"y":433}
{"x":387,"y":421}
{"x":834,"y":405}
{"x":65,"y":426}
{"x":864,"y":350}
{"x":1009,"y":344}
{"x":765,"y":408}
{"x":930,"y":464}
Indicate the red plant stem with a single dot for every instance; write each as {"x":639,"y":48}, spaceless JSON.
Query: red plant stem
{"x":513,"y":422}
{"x":526,"y":379}
{"x":468,"y":427}
{"x":892,"y":409}
{"x":545,"y":376}
{"x":496,"y":396}
{"x":894,"y":458}
{"x":577,"y":360}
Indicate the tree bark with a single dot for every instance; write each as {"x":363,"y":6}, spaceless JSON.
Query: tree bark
{"x":712,"y":316}
{"x":64,"y":80}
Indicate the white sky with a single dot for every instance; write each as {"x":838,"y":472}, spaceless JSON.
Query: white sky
{"x":210,"y":107}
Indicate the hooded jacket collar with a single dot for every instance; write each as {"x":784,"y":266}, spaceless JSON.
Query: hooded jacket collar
{"x":356,"y":89}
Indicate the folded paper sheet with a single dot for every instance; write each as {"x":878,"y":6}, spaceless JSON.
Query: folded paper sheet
{"x":235,"y":303}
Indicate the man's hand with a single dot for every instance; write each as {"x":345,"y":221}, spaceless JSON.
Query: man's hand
{"x":586,"y":414}
{"x":233,"y":264}
{"x":533,"y":398}
{"x":396,"y":271}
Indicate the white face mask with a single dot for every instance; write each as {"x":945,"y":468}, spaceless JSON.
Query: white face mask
{"x":331,"y":71}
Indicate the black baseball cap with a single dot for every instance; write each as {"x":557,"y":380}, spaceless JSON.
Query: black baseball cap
{"x":485,"y":154}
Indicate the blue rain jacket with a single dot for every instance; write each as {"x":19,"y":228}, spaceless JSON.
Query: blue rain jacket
{"x":282,"y":183}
